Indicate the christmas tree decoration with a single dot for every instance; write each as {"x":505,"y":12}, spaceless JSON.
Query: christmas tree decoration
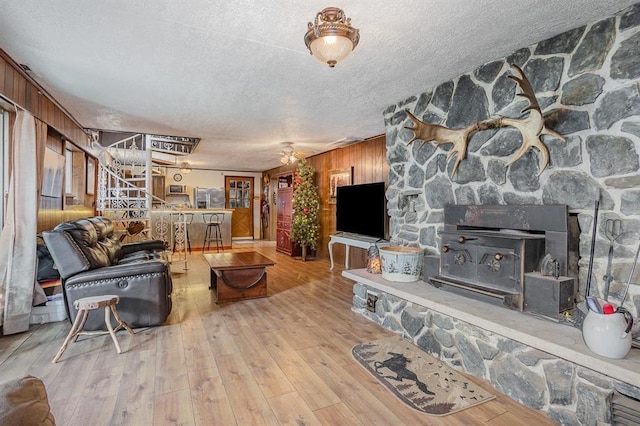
{"x":305,"y":228}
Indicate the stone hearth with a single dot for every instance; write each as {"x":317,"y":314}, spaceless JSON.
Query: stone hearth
{"x":540,"y":363}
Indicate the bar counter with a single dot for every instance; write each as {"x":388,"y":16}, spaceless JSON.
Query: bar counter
{"x":197,"y":227}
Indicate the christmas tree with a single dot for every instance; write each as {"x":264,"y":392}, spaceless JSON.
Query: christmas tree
{"x":305,"y":229}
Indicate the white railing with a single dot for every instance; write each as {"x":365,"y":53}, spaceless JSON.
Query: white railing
{"x":170,"y":145}
{"x":128,"y":158}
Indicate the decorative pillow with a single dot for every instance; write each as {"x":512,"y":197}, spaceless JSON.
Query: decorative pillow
{"x":46,"y":267}
{"x":24,"y":402}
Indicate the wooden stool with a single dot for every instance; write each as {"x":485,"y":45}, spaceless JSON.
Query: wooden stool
{"x":84,"y":305}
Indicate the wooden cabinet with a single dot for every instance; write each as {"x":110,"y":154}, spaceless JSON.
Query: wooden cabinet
{"x":285,"y":216}
{"x":284,"y":219}
{"x":157,"y":186}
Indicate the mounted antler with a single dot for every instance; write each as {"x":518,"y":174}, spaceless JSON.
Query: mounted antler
{"x":442,"y":135}
{"x":531,"y":128}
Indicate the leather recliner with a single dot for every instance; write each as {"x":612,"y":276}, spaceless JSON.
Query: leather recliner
{"x":92,"y":262}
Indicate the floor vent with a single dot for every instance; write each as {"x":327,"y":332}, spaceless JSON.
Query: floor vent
{"x":626,"y":410}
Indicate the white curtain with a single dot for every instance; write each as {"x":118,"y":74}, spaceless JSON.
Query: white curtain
{"x":18,"y":238}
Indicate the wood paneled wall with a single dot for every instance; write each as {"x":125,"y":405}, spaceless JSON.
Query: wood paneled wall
{"x":369,"y":164}
{"x":17,"y":87}
{"x":49,"y":218}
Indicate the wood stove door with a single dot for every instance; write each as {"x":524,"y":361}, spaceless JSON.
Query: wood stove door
{"x":459,"y":261}
{"x":498,"y":268}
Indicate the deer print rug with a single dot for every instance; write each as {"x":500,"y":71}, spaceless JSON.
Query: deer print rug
{"x":416,"y":378}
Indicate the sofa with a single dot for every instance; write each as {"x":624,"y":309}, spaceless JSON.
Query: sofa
{"x":24,"y":402}
{"x":92,"y":261}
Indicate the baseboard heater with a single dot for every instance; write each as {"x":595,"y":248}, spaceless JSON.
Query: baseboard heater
{"x":626,"y":410}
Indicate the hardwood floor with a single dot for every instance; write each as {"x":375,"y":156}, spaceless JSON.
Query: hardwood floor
{"x":280,"y":360}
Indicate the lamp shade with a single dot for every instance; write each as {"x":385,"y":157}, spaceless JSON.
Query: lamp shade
{"x":331,"y":49}
{"x":330,"y":37}
{"x":185,"y":168}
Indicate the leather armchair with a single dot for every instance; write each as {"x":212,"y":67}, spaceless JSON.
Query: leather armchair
{"x":92,"y":262}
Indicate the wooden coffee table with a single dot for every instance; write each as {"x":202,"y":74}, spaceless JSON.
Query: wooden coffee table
{"x":238,"y":276}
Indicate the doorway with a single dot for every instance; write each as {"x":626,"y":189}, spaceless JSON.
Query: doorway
{"x":239,"y":196}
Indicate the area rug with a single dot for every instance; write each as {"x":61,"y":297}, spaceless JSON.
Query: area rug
{"x":418,"y":379}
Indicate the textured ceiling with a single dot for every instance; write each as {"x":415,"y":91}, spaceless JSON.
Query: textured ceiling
{"x":237,"y":73}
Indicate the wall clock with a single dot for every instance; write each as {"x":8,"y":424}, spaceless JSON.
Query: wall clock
{"x":177,"y":177}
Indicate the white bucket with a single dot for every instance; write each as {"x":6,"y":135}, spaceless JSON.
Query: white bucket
{"x":401,"y":264}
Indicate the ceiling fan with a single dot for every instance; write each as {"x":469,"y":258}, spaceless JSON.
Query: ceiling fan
{"x":289,"y":156}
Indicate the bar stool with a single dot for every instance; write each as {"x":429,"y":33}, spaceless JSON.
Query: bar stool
{"x":213,"y":232}
{"x":86,"y":304}
{"x":176,"y":219}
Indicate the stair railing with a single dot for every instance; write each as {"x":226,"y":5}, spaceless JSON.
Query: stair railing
{"x":127,"y":203}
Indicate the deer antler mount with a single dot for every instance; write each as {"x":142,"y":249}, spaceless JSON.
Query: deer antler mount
{"x":532,"y":128}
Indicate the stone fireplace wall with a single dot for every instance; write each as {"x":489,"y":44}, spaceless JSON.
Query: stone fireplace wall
{"x":587,"y":82}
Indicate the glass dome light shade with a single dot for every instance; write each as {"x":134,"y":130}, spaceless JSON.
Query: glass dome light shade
{"x":331,"y":49}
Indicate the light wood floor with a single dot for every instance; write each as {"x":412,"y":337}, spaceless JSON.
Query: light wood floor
{"x":281,"y":360}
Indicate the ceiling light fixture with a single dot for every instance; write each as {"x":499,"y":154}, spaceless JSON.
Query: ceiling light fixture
{"x":330,"y":37}
{"x":185,"y":168}
{"x":288,"y":158}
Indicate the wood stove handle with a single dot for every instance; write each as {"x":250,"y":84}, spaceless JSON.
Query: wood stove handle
{"x":462,"y":239}
{"x":445,"y":249}
{"x":498,"y":256}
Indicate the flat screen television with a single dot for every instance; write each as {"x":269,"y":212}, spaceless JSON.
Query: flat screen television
{"x":362,"y":209}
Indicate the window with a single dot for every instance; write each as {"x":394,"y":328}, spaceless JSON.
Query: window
{"x":239,"y":196}
{"x":68,"y":171}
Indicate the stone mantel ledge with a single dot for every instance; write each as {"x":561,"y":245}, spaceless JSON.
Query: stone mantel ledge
{"x":560,"y":340}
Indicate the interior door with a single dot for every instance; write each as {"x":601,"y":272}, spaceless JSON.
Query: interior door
{"x":239,"y":196}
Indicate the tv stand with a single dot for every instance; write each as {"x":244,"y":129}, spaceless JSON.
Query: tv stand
{"x":354,"y":240}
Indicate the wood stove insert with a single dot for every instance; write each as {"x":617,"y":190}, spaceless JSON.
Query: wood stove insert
{"x":514,"y":255}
